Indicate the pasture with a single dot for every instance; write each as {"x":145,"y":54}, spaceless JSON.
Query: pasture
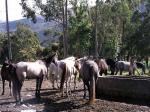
{"x":51,"y":101}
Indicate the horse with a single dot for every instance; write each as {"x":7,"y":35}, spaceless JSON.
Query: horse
{"x":5,"y":75}
{"x":103,"y":67}
{"x":36,"y":70}
{"x":111,"y":63}
{"x":125,"y":66}
{"x":141,"y":66}
{"x":54,"y":77}
{"x":89,"y":72}
{"x":65,"y":70}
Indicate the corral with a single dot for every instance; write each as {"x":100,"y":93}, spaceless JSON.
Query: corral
{"x":51,"y":101}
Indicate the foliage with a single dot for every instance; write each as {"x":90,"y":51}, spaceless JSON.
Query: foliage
{"x":79,"y":30}
{"x":3,"y":47}
{"x":25,"y":43}
{"x":122,"y":28}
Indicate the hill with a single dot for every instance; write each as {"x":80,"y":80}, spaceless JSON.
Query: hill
{"x":37,"y":27}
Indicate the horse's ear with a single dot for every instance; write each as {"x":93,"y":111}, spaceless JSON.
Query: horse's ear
{"x":54,"y":55}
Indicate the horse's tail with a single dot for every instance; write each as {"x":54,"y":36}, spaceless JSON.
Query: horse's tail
{"x":63,"y":77}
{"x":16,"y":83}
{"x":92,"y":86}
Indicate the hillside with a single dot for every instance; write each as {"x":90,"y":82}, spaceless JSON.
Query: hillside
{"x":37,"y":27}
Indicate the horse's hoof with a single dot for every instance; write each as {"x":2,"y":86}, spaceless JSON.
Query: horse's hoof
{"x":37,"y":96}
{"x":90,"y":102}
{"x":18,"y":103}
{"x":2,"y":94}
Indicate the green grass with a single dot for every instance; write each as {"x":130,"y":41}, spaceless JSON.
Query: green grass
{"x":136,"y":73}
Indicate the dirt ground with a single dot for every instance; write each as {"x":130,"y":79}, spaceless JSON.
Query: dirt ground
{"x":52,"y":101}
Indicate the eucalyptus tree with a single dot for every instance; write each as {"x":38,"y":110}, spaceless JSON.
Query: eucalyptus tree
{"x":141,"y":37}
{"x":80,"y":29}
{"x":52,"y":10}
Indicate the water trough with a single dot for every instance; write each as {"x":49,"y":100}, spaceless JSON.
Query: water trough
{"x":133,"y":87}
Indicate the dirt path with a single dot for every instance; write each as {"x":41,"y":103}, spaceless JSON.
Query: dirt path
{"x":52,"y":102}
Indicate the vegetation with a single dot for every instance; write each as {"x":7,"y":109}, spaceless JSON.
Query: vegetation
{"x":25,"y":44}
{"x":121,"y":27}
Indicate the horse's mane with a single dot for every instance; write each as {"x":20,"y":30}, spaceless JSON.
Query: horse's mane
{"x":83,"y":58}
{"x":48,"y":59}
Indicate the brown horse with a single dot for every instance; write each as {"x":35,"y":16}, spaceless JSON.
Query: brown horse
{"x":5,"y":75}
{"x":89,"y":73}
{"x":103,"y":67}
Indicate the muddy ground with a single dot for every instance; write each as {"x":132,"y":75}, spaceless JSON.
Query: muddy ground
{"x":52,"y":101}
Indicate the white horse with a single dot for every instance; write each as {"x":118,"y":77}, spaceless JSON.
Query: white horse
{"x":53,"y":75}
{"x":36,"y":70}
{"x":65,"y":71}
{"x":125,"y":66}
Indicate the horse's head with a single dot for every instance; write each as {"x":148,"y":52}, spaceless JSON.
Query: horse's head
{"x":52,"y":58}
{"x":78,"y":63}
{"x":12,"y":69}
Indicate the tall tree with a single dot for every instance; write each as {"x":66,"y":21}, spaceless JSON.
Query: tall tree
{"x":51,"y":10}
{"x":80,"y":29}
{"x":8,"y":36}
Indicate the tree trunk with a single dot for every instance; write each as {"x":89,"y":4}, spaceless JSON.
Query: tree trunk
{"x":8,"y":36}
{"x":64,"y":27}
{"x":96,"y":41}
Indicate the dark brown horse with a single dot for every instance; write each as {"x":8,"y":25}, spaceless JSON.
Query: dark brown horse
{"x":89,"y":73}
{"x":5,"y":75}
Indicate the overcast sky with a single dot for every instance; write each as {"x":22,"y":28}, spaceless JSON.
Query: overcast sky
{"x":15,"y":10}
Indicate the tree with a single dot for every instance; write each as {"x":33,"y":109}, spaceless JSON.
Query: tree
{"x":25,"y":44}
{"x":3,"y":47}
{"x":79,"y":29}
{"x":52,"y":10}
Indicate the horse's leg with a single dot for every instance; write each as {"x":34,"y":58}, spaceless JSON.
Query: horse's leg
{"x":67,"y":87}
{"x":17,"y":85}
{"x":15,"y":90}
{"x":57,"y":82}
{"x":105,"y":72}
{"x":70,"y":85}
{"x":75,"y":77}
{"x":40,"y":84}
{"x":37,"y":86}
{"x":19,"y":91}
{"x":3,"y":86}
{"x":101,"y":72}
{"x":10,"y":88}
{"x":86,"y":83}
{"x":92,"y":90}
{"x":53,"y":81}
{"x":116,"y":72}
{"x":121,"y":72}
{"x":84,"y":91}
{"x":112,"y":71}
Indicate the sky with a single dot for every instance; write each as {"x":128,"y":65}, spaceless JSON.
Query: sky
{"x":15,"y":10}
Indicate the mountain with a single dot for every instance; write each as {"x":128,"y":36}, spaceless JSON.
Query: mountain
{"x":37,"y":27}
